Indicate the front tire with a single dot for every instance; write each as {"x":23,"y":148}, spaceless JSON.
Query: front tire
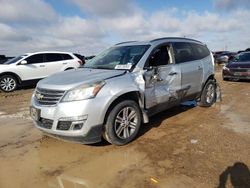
{"x":8,"y":83}
{"x":123,"y":123}
{"x":208,"y":95}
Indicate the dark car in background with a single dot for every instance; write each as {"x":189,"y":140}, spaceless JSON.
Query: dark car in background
{"x":3,"y":59}
{"x":238,"y":68}
{"x":223,"y":56}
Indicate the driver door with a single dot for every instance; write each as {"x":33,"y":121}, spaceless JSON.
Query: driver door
{"x":162,"y":80}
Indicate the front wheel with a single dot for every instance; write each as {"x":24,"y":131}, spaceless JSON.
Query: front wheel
{"x":208,"y":95}
{"x":8,"y":83}
{"x":123,"y":123}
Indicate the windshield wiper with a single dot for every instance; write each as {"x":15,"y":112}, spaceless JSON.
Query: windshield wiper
{"x":99,"y":67}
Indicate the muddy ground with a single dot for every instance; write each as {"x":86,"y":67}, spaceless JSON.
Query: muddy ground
{"x":183,"y":147}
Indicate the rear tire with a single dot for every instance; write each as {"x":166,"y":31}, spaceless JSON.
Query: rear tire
{"x":123,"y":123}
{"x":8,"y":83}
{"x":208,"y":95}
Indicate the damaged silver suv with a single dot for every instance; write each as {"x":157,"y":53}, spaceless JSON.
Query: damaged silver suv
{"x":118,"y":90}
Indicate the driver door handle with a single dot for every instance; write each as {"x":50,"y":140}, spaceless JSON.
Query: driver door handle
{"x":172,"y":73}
{"x":42,"y":66}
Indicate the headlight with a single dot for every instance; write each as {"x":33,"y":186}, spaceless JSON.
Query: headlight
{"x":86,"y":91}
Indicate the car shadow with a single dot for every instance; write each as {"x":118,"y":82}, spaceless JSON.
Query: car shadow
{"x":238,"y":174}
{"x":156,"y":120}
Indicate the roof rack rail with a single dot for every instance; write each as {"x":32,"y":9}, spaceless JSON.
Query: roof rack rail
{"x":125,"y":42}
{"x":154,"y":40}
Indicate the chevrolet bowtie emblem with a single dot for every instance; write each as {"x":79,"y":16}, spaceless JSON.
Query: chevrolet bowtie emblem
{"x":39,"y":96}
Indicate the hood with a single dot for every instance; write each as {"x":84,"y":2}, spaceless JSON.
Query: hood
{"x":4,"y":67}
{"x":73,"y":78}
{"x":239,"y":65}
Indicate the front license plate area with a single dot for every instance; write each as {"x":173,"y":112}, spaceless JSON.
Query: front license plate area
{"x":237,"y":74}
{"x":35,"y":113}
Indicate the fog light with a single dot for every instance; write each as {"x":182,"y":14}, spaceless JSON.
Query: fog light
{"x":77,"y":126}
{"x":71,"y":123}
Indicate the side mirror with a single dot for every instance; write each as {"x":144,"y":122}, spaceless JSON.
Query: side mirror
{"x":23,"y":62}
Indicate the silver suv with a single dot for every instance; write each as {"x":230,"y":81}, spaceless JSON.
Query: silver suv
{"x":121,"y":88}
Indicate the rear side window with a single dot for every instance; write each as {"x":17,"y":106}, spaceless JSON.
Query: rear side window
{"x":183,"y":52}
{"x":66,"y":56}
{"x":201,"y":51}
{"x":38,"y":58}
{"x":50,"y":57}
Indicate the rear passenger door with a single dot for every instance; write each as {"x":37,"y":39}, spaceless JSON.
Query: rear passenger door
{"x":191,"y":69}
{"x":54,"y":63}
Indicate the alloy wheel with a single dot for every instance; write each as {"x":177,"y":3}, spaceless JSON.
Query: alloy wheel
{"x":126,"y":122}
{"x":8,"y":84}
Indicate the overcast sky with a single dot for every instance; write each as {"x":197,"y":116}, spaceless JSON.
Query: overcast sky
{"x":90,"y":26}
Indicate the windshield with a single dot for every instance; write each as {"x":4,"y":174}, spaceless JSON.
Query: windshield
{"x":118,"y":57}
{"x":242,"y":57}
{"x":14,"y":60}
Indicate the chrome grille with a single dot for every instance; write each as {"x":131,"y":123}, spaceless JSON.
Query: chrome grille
{"x":48,"y":97}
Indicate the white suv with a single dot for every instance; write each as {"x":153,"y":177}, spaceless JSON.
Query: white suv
{"x":31,"y":67}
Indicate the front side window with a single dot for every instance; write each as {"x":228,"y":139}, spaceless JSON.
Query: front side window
{"x":159,"y":57}
{"x":118,"y":57}
{"x":38,"y":58}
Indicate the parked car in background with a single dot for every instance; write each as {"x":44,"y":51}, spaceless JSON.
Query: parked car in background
{"x":81,"y":57}
{"x":31,"y":67}
{"x":121,"y":88}
{"x":87,"y":58}
{"x":3,"y":59}
{"x":223,"y":56}
{"x":238,"y":68}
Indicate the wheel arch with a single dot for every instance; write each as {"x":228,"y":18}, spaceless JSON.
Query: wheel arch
{"x":211,"y":77}
{"x":131,"y":95}
{"x":69,"y":68}
{"x":12,"y":74}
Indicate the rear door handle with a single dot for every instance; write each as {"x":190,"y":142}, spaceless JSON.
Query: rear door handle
{"x":65,"y":63}
{"x":199,"y":67}
{"x":42,"y":66}
{"x":172,"y":73}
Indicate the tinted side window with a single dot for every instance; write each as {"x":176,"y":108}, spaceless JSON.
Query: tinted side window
{"x":38,"y":58}
{"x":53,"y":57}
{"x":159,"y":57}
{"x":66,"y":56}
{"x":201,"y":51}
{"x":183,"y":52}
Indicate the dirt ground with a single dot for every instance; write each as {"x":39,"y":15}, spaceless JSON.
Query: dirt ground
{"x":184,"y":147}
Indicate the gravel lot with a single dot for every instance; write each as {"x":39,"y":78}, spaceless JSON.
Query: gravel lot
{"x":183,"y":147}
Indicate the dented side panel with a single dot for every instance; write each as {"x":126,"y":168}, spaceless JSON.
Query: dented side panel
{"x":162,"y":85}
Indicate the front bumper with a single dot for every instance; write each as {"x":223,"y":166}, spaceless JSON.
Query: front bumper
{"x":78,"y":121}
{"x":235,"y":75}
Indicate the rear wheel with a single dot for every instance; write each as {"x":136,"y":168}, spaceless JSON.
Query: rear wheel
{"x":8,"y":83}
{"x":208,"y":95}
{"x":123,"y":123}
